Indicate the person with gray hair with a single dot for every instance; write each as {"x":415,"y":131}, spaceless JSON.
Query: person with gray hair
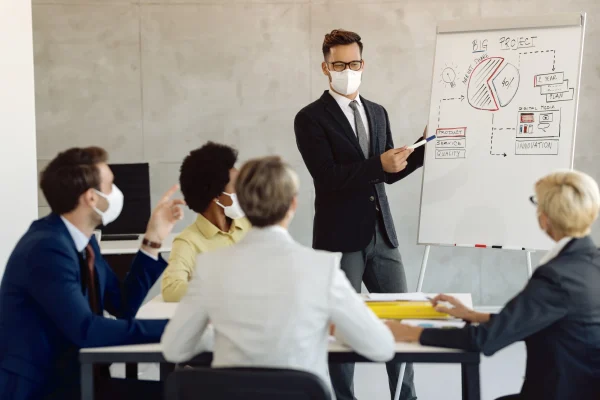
{"x":270,"y":300}
{"x":557,"y":314}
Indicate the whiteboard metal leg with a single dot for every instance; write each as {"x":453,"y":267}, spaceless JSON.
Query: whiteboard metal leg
{"x":423,"y":268}
{"x":529,"y":269}
{"x":399,"y":384}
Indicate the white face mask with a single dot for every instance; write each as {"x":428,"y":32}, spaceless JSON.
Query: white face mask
{"x":234,"y":211}
{"x":345,"y":82}
{"x":115,"y":205}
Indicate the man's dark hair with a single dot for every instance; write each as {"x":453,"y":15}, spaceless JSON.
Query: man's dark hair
{"x":205,"y":173}
{"x":339,"y":37}
{"x":69,"y":175}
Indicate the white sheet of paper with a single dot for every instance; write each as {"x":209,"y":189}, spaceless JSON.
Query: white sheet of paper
{"x":431,"y":323}
{"x":396,"y":297}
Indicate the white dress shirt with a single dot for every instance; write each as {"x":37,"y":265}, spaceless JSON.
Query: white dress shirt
{"x":550,"y":255}
{"x":81,"y":240}
{"x":270,"y":302}
{"x":344,"y":104}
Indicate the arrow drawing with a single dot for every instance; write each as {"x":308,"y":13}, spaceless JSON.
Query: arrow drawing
{"x":440,"y":106}
{"x":492,"y":140}
{"x":541,"y":52}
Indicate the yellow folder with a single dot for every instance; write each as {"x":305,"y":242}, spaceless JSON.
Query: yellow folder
{"x":405,"y":310}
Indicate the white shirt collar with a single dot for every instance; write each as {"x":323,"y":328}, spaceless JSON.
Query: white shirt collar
{"x":555,"y":250}
{"x":81,"y":241}
{"x":274,"y":229}
{"x":344,"y":101}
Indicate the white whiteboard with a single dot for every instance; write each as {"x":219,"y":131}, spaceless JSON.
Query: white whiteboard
{"x":504,"y":108}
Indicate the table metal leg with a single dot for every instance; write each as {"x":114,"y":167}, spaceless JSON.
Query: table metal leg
{"x":165,"y":370}
{"x":400,"y":379}
{"x":470,"y":382}
{"x":87,"y":381}
{"x":131,"y":371}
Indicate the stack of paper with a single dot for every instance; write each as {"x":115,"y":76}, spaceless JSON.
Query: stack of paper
{"x":396,"y":297}
{"x":402,"y":306}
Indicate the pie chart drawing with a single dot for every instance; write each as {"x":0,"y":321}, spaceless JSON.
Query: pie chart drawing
{"x":492,"y":84}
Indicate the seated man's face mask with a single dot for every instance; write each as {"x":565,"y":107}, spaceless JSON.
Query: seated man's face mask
{"x":115,"y":205}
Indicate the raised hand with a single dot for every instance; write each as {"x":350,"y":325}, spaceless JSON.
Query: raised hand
{"x":164,"y":217}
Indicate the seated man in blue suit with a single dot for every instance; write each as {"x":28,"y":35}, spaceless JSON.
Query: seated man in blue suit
{"x":56,"y":286}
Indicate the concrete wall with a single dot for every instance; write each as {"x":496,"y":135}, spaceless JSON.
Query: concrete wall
{"x":18,"y":203}
{"x":151,"y":79}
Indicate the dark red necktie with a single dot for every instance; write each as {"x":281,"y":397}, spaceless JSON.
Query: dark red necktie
{"x":101,"y":371}
{"x":91,"y":281}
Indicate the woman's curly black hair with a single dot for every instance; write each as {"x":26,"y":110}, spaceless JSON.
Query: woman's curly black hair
{"x":204,"y":174}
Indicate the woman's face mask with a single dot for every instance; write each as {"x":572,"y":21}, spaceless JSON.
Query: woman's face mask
{"x":234,"y":211}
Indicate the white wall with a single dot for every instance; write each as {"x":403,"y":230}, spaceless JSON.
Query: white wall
{"x":18,"y":202}
{"x":150,"y":80}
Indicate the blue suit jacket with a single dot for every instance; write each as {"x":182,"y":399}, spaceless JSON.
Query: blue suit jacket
{"x":45,"y":317}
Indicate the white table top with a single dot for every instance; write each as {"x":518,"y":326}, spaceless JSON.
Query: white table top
{"x":157,"y":308}
{"x":112,"y":247}
{"x":334,"y":347}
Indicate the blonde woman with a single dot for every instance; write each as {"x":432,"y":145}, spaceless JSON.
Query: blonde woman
{"x":557,"y":314}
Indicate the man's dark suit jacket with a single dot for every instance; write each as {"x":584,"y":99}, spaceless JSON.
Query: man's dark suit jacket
{"x":347,"y":185}
{"x":45,"y":316}
{"x":558,"y":316}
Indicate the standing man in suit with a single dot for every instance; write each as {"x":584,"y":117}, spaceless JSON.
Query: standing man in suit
{"x":346,"y":143}
{"x":56,"y":286}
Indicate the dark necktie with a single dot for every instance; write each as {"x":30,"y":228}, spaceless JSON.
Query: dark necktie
{"x":101,"y":371}
{"x":91,"y":281}
{"x":361,"y":131}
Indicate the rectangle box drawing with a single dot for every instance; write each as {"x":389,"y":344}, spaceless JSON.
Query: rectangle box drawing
{"x":536,"y":147}
{"x":565,"y":96}
{"x":451,"y":143}
{"x":447,"y":154}
{"x":555,"y":88}
{"x":451,"y":132}
{"x":549,"y":79}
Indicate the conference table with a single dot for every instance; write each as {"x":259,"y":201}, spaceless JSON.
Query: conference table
{"x":131,"y":355}
{"x":123,"y":247}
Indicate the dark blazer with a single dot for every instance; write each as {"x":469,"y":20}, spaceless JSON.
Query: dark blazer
{"x":347,"y":185}
{"x":45,"y":317}
{"x":558,"y":316}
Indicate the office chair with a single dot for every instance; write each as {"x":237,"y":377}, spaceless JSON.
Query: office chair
{"x":244,"y":384}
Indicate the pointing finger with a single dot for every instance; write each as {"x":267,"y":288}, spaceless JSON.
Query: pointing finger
{"x":177,"y":202}
{"x":169,"y":193}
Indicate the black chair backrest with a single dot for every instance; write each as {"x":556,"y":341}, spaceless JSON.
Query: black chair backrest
{"x":244,"y":384}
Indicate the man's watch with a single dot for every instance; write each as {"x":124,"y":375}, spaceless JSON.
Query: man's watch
{"x":151,"y":244}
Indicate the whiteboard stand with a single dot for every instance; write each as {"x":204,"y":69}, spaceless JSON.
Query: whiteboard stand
{"x":423,"y":268}
{"x":426,"y":258}
{"x":400,"y":379}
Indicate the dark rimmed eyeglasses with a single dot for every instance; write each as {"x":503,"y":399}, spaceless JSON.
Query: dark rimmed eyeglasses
{"x":533,"y":200}
{"x":340,"y":66}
